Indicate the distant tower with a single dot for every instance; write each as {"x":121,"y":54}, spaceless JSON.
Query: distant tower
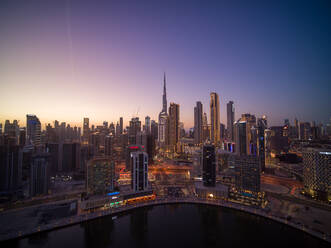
{"x":86,"y":129}
{"x":147,"y":124}
{"x":163,"y":117}
{"x":198,"y":124}
{"x":230,"y":120}
{"x":121,"y":125}
{"x":215,"y":118}
{"x":139,"y":174}
{"x":33,"y":130}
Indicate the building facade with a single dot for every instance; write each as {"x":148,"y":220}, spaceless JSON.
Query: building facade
{"x":215,"y":118}
{"x":208,"y":165}
{"x":100,"y":176}
{"x":139,"y":173}
{"x":317,"y":173}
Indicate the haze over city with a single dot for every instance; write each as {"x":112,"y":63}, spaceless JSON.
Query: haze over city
{"x":66,"y":60}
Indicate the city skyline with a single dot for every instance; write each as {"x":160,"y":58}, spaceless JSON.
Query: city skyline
{"x":99,"y":66}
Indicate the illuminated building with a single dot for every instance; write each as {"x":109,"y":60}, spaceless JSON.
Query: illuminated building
{"x":230,"y":120}
{"x":247,"y":173}
{"x":317,"y":173}
{"x":198,"y":135}
{"x":40,"y":174}
{"x":304,"y":130}
{"x":215,"y":118}
{"x":208,"y":165}
{"x":139,"y":172}
{"x":129,"y":150}
{"x":33,"y":130}
{"x":100,"y":176}
{"x":173,"y":127}
{"x":163,"y":118}
{"x":250,"y":123}
{"x":86,"y":130}
{"x":154,"y":129}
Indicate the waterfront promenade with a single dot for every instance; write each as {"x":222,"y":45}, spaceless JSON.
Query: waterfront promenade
{"x":158,"y":201}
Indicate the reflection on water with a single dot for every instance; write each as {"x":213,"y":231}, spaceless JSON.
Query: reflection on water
{"x":175,"y":225}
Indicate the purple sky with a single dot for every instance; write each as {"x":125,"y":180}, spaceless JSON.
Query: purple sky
{"x":105,"y":59}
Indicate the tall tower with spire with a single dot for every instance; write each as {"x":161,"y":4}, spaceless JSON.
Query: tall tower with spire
{"x":163,"y":117}
{"x":164,"y":100}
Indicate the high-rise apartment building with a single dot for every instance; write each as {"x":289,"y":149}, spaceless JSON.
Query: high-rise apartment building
{"x":10,"y":168}
{"x":134,"y":129}
{"x":121,"y":125}
{"x":147,"y":127}
{"x":139,"y":173}
{"x":198,"y":129}
{"x":100,"y":176}
{"x":240,"y":137}
{"x":230,"y":120}
{"x":215,"y":118}
{"x":86,"y":129}
{"x":247,"y":173}
{"x":317,"y":173}
{"x":262,"y":125}
{"x":174,"y":131}
{"x":39,"y":174}
{"x":208,"y":165}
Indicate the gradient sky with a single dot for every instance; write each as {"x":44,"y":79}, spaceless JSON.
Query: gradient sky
{"x":104,"y":59}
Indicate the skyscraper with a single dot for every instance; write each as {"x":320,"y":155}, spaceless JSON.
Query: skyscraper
{"x":230,"y":120}
{"x":174,"y":131}
{"x":147,"y":127}
{"x":163,"y":117}
{"x":121,"y":125}
{"x":135,"y":128}
{"x":208,"y":165}
{"x":250,"y":123}
{"x":10,"y":168}
{"x":240,"y":137}
{"x":247,"y":173}
{"x":86,"y":130}
{"x":33,"y":130}
{"x":39,"y":174}
{"x":215,"y":118}
{"x":262,"y":125}
{"x":139,"y":172}
{"x":198,"y":124}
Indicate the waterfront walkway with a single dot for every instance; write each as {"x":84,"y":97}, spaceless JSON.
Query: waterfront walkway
{"x":158,"y":201}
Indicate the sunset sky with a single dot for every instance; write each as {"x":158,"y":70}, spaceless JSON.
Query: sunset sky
{"x":67,"y":60}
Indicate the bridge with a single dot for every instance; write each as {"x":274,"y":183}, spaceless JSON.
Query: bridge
{"x":161,"y":201}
